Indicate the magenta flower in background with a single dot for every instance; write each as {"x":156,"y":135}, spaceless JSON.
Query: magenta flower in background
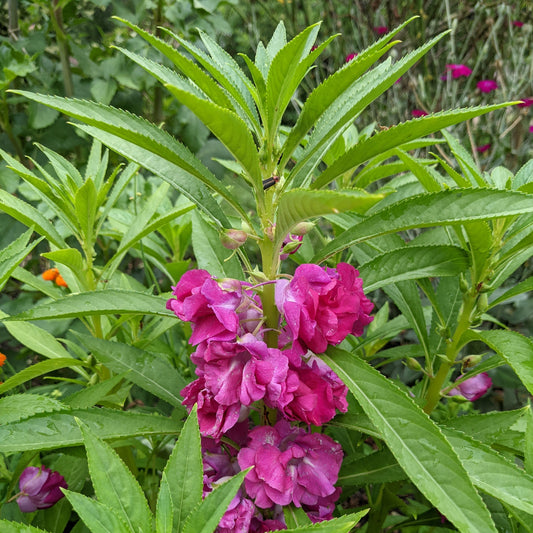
{"x":517,"y":23}
{"x":349,"y":57}
{"x":531,"y":128}
{"x":487,"y":86}
{"x":418,"y":113}
{"x":526,"y":102}
{"x":483,"y":148}
{"x":473,"y":388}
{"x":40,"y":488}
{"x":381,"y":30}
{"x":457,"y":71}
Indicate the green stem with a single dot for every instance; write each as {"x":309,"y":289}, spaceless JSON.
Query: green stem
{"x":13,"y":24}
{"x":61,"y":37}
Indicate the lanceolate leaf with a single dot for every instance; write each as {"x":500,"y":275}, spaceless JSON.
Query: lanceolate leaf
{"x":413,"y":262}
{"x":519,"y":288}
{"x":395,"y":136}
{"x":146,"y":144}
{"x":445,"y":207}
{"x":16,"y":527}
{"x":429,"y":461}
{"x":344,"y":524}
{"x":300,"y":204}
{"x":13,"y":254}
{"x":109,"y":301}
{"x":47,"y":431}
{"x":492,"y":472}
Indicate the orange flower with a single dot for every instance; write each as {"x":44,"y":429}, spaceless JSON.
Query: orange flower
{"x":50,"y":274}
{"x":2,"y":359}
{"x":60,"y":281}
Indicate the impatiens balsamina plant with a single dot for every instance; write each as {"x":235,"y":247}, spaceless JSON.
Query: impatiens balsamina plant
{"x":278,"y":350}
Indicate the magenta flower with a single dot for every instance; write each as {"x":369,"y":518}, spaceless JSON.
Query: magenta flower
{"x":473,"y":388}
{"x":487,"y":86}
{"x":322,"y":306}
{"x":381,"y":30}
{"x":349,"y":57}
{"x":457,"y":71}
{"x":483,"y":148}
{"x":526,"y":102}
{"x":517,"y":23}
{"x":531,"y":128}
{"x":291,"y":466}
{"x":418,"y":113}
{"x":40,"y":488}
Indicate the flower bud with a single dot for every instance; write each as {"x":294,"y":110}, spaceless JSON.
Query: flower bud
{"x":233,"y":238}
{"x":473,"y":388}
{"x":302,"y":228}
{"x":470,"y":361}
{"x":39,"y":488}
{"x":413,"y":364}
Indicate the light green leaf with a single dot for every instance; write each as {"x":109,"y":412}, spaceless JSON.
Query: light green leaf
{"x":101,"y":302}
{"x":115,"y":484}
{"x":93,"y":394}
{"x":209,"y":252}
{"x":47,"y":431}
{"x":30,"y":217}
{"x":413,"y":262}
{"x":344,"y":524}
{"x":416,"y":442}
{"x":143,"y":368}
{"x":164,"y":508}
{"x":395,"y":136}
{"x":516,"y":349}
{"x":85,"y":204}
{"x":422,"y":174}
{"x":39,"y":369}
{"x":492,"y":472}
{"x":98,"y":517}
{"x":300,"y":204}
{"x":519,"y":288}
{"x":451,"y":207}
{"x":295,"y":516}
{"x":16,"y":527}
{"x":18,"y":406}
{"x":70,"y":257}
{"x":183,"y":473}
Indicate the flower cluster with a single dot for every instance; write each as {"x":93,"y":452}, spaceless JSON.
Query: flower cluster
{"x":238,"y":372}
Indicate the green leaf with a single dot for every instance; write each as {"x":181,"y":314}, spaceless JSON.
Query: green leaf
{"x":98,"y":517}
{"x":18,"y":406}
{"x":47,"y":431}
{"x":295,"y":516}
{"x":115,"y":484}
{"x":85,"y":204}
{"x":422,"y":174}
{"x":164,"y":508}
{"x":147,"y":145}
{"x":183,"y":474}
{"x":229,"y":128}
{"x":344,"y":524}
{"x":70,"y":257}
{"x":395,"y":136}
{"x":17,"y":527}
{"x":519,"y":288}
{"x":101,"y":302}
{"x":39,"y":369}
{"x":209,"y":252}
{"x":516,"y":349}
{"x":300,"y":204}
{"x":528,"y":448}
{"x":492,"y":472}
{"x":30,"y":217}
{"x":416,"y":442}
{"x":206,"y":515}
{"x":451,"y":207}
{"x":143,"y":368}
{"x":413,"y":262}
{"x":93,"y":394}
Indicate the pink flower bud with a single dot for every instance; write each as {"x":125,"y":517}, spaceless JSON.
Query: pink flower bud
{"x":39,"y":488}
{"x":233,"y":238}
{"x":473,"y":388}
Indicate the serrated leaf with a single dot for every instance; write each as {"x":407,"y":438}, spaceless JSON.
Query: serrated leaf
{"x":344,"y":524}
{"x":206,"y":515}
{"x":147,"y":145}
{"x":115,"y":484}
{"x":85,"y":205}
{"x":413,"y":262}
{"x":47,"y":431}
{"x":16,"y":527}
{"x":492,"y":472}
{"x":519,"y":288}
{"x":101,"y":302}
{"x":422,"y":174}
{"x":93,"y":394}
{"x":300,"y":204}
{"x":143,"y":368}
{"x":98,"y":517}
{"x":295,"y":516}
{"x":416,"y":442}
{"x":30,"y":217}
{"x":516,"y":349}
{"x":209,"y":252}
{"x":451,"y":207}
{"x":70,"y":257}
{"x":13,"y":254}
{"x":40,"y":369}
{"x":395,"y":136}
{"x":184,"y":473}
{"x":18,"y":406}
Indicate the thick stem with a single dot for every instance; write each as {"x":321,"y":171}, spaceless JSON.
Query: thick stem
{"x":61,"y":37}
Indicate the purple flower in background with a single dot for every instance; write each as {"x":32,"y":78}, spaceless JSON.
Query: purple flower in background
{"x":483,"y":148}
{"x":526,"y":102}
{"x":473,"y":388}
{"x":39,"y":488}
{"x":417,"y":113}
{"x":487,"y":86}
{"x":458,"y":70}
{"x":381,"y":30}
{"x":349,"y":57}
{"x":531,"y":128}
{"x":517,"y":23}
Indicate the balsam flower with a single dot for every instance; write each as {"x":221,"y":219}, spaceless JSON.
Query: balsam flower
{"x":487,"y":86}
{"x":457,"y":71}
{"x":322,"y":306}
{"x":40,"y":488}
{"x":291,"y":465}
{"x":473,"y":388}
